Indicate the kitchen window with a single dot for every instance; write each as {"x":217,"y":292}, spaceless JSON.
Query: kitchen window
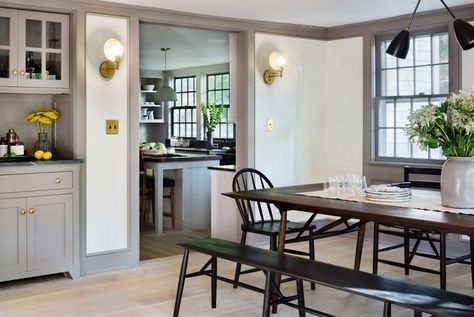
{"x":183,"y":112}
{"x":218,"y":92}
{"x":404,"y":85}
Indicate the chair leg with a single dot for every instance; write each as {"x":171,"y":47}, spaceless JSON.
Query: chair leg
{"x":375,"y":251}
{"x":153,"y":199}
{"x":173,"y":224}
{"x":417,"y":313}
{"x":387,"y":309}
{"x":359,"y":246}
{"x":214,"y":281}
{"x":273,"y":243}
{"x":442,"y":260}
{"x":267,"y":295}
{"x":406,"y":249}
{"x":300,"y":293}
{"x":182,"y":277}
{"x":311,"y":254}
{"x":238,"y":267}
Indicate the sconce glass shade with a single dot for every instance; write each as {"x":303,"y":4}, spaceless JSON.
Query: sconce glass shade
{"x":113,"y":49}
{"x":464,"y":34}
{"x":277,"y":61}
{"x":165,"y":92}
{"x":400,"y":45}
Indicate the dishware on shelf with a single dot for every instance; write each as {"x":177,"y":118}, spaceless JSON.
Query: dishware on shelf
{"x":151,"y":115}
{"x":148,"y":87}
{"x":144,"y":113}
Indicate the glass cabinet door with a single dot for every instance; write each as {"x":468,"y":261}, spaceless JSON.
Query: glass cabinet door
{"x":8,"y":44}
{"x":43,"y":50}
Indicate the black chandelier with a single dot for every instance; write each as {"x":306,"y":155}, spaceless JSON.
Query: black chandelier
{"x":401,"y":43}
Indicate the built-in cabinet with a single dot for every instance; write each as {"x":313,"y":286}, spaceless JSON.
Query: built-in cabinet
{"x":39,"y":221}
{"x":150,"y":110}
{"x":34,"y":52}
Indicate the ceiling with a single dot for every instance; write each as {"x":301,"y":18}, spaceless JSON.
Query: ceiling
{"x":189,"y":47}
{"x":324,"y":13}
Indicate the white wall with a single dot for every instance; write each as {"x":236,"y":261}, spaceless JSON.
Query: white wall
{"x":317,"y":110}
{"x":106,"y":155}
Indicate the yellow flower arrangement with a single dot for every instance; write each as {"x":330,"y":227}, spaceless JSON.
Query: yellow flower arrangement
{"x":42,"y":119}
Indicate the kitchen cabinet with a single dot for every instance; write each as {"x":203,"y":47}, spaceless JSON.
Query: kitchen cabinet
{"x":149,"y":105}
{"x":39,"y":221}
{"x":34,"y":52}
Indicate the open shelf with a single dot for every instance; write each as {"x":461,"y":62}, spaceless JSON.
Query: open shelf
{"x":152,"y":121}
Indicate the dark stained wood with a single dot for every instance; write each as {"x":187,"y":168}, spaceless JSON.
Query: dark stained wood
{"x":285,"y":199}
{"x":418,"y":297}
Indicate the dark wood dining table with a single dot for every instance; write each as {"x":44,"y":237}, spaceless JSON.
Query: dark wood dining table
{"x":286,"y":199}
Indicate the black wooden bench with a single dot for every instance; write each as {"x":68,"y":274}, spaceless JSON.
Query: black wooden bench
{"x":418,"y":297}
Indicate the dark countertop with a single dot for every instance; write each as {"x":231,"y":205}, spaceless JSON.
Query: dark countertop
{"x":38,"y":162}
{"x":194,"y":149}
{"x":225,"y":168}
{"x":180,"y":157}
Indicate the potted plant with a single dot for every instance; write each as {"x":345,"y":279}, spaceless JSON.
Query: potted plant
{"x":212,"y":115}
{"x":451,"y":127}
{"x":41,"y":120}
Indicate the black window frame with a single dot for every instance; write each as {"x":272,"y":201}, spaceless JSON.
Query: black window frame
{"x":224,"y":124}
{"x":190,"y":112}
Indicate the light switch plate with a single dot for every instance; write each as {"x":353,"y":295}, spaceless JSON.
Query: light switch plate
{"x":111,"y":126}
{"x":269,"y":124}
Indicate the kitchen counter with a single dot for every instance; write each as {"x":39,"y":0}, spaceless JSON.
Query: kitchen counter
{"x":180,"y":157}
{"x":40,"y":163}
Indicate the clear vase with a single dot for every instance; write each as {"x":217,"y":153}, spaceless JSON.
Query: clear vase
{"x":42,"y":143}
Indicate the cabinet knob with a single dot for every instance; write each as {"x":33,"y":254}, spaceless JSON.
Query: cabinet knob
{"x":22,"y":211}
{"x":31,"y":210}
{"x":15,"y":72}
{"x":22,"y":72}
{"x":58,"y":180}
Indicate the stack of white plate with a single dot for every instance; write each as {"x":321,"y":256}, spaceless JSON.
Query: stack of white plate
{"x":385,"y":193}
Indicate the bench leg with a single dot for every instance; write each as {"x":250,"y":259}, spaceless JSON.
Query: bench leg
{"x":238,"y":267}
{"x":417,"y":313}
{"x":267,"y":295}
{"x":406,"y":249}
{"x":360,"y":245}
{"x":300,"y":293}
{"x":442,"y":260}
{"x":311,"y":254}
{"x":375,"y":251}
{"x":214,"y":281}
{"x":182,"y":277}
{"x":387,"y":309}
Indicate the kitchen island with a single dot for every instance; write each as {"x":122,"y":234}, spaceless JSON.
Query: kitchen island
{"x":193,"y":188}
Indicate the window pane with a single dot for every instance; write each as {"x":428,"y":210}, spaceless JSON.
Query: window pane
{"x":386,"y":114}
{"x":403,"y":145}
{"x":226,"y":99}
{"x":53,"y":34}
{"x":423,"y":80}
{"x":437,"y":154}
{"x":53,"y":66}
{"x":4,"y":63}
{"x":389,"y":61}
{"x":440,"y":48}
{"x":225,"y":81}
{"x":184,"y":85}
{"x":418,"y":103}
{"x":419,"y":154}
{"x":177,"y":85}
{"x":218,"y":82}
{"x":389,"y":82}
{"x":33,"y":33}
{"x":5,"y":34}
{"x":211,"y":83}
{"x":409,"y":60}
{"x":423,"y":50}
{"x":211,"y":97}
{"x":33,"y":65}
{"x":440,"y":79}
{"x":386,"y":142}
{"x":438,"y":101}
{"x":405,"y":82}
{"x":403,"y":111}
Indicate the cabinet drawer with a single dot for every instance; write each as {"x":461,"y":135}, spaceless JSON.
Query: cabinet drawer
{"x":35,"y":182}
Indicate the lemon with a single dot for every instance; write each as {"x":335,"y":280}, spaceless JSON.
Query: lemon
{"x":47,"y":155}
{"x":39,"y":154}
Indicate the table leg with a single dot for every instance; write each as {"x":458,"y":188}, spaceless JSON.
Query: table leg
{"x":360,"y":244}
{"x":281,"y":249}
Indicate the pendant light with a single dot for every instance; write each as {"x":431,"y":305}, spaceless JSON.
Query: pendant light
{"x":401,"y":43}
{"x":165,"y":92}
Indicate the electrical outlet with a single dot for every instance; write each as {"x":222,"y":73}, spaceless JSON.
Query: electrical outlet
{"x":111,"y":126}
{"x":269,"y":124}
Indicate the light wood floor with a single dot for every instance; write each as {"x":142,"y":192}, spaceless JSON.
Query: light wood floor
{"x":153,"y":246}
{"x":149,"y":290}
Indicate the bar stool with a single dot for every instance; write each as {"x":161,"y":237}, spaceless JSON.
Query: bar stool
{"x":169,"y":183}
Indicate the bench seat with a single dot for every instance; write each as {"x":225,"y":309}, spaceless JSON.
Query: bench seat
{"x":418,"y":297}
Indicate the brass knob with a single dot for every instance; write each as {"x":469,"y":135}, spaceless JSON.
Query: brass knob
{"x":22,"y":211}
{"x":58,"y":180}
{"x":22,"y":72}
{"x":31,"y":210}
{"x":14,"y":72}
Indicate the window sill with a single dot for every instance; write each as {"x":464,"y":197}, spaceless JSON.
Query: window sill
{"x":402,"y":164}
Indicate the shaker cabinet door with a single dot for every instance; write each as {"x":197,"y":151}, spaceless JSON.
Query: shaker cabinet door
{"x":12,"y":236}
{"x":50,"y":232}
{"x":8,"y":48}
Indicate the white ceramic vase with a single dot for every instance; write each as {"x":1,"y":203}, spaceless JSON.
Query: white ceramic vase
{"x":457,"y":182}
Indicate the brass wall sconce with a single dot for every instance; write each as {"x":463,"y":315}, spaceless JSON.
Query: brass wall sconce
{"x":276,"y":61}
{"x":113,"y":51}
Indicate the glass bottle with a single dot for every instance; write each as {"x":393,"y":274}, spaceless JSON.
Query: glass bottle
{"x":3,"y":147}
